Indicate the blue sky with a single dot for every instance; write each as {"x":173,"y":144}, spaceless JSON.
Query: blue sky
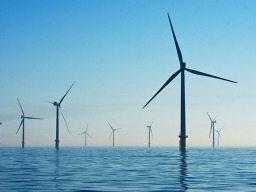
{"x":120,"y":53}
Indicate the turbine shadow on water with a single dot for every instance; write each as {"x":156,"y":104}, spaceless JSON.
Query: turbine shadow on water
{"x":56,"y":172}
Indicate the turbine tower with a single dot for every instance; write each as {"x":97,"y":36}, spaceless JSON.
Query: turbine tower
{"x":23,"y":117}
{"x":149,"y":132}
{"x":212,"y":129}
{"x":58,"y":107}
{"x":85,"y":133}
{"x":183,"y":68}
{"x":112,"y":132}
{"x":219,"y":137}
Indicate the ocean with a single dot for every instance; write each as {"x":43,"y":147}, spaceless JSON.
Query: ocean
{"x":127,"y":169}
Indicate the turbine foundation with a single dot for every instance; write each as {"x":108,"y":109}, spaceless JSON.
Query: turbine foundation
{"x":183,"y":143}
{"x":57,"y":145}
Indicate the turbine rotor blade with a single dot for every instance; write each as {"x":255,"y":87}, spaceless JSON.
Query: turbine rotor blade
{"x":49,"y":102}
{"x":207,"y":75}
{"x":64,"y":119}
{"x":88,"y":135}
{"x":221,"y":128}
{"x":66,"y":94}
{"x":32,"y":118}
{"x":176,"y":42}
{"x":20,"y":107}
{"x":20,"y":126}
{"x":210,"y":130}
{"x":166,"y":83}
{"x":151,"y":123}
{"x":209,"y":117}
{"x":151,"y":132}
{"x":110,"y":126}
{"x":86,"y":128}
{"x":110,"y":135}
{"x":81,"y":133}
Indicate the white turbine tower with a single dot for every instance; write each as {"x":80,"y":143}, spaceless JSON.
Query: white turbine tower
{"x":85,"y":133}
{"x":219,"y":137}
{"x":212,"y":129}
{"x":113,"y":132}
{"x":149,"y":132}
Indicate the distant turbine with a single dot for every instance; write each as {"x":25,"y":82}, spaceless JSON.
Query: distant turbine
{"x":23,"y":117}
{"x":212,"y":129}
{"x":149,"y":132}
{"x":58,"y":107}
{"x":219,"y":137}
{"x":113,"y":132}
{"x":85,"y":133}
{"x":182,"y":70}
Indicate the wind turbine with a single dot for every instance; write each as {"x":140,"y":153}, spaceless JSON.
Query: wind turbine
{"x":149,"y":131}
{"x":219,"y":137}
{"x":23,"y":117}
{"x":112,"y":132}
{"x":58,"y":107}
{"x":85,"y":133}
{"x":183,"y":68}
{"x":212,"y":129}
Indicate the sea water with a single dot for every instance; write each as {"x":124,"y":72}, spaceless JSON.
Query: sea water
{"x":127,"y":169}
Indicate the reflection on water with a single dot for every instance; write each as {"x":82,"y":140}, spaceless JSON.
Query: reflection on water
{"x":56,"y":172}
{"x":183,"y":171}
{"x":127,"y":169}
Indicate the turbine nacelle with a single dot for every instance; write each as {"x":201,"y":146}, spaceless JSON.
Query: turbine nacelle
{"x":116,"y":129}
{"x":22,"y":116}
{"x":183,"y":65}
{"x":56,"y":104}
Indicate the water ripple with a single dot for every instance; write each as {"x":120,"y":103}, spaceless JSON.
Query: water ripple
{"x":127,"y":169}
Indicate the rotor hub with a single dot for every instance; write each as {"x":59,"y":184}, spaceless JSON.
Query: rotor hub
{"x":183,"y":65}
{"x":55,"y":103}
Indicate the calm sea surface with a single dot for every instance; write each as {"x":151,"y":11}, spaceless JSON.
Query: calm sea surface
{"x":127,"y":169}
